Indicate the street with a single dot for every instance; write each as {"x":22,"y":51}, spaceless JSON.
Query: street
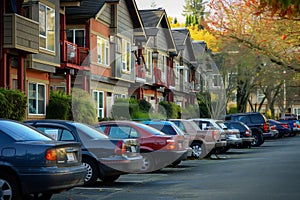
{"x":267,"y":172}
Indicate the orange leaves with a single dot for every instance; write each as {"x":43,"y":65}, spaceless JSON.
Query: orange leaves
{"x":284,"y":36}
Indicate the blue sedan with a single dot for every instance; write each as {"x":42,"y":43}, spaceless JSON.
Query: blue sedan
{"x":33,"y":164}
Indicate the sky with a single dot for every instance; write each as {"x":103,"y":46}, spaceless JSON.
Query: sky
{"x":174,"y":8}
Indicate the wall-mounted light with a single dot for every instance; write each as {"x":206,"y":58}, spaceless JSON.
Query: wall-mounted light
{"x":155,"y":55}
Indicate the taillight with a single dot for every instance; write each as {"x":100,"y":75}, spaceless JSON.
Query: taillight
{"x":285,"y":125}
{"x":273,"y":127}
{"x":120,"y":148}
{"x":51,"y":155}
{"x":171,"y":145}
{"x":213,"y":135}
{"x":247,"y":133}
{"x":266,"y":127}
{"x":295,"y":125}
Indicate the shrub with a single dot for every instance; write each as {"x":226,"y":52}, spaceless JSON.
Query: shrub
{"x":172,"y":109}
{"x":83,"y":108}
{"x":15,"y":105}
{"x":59,"y":106}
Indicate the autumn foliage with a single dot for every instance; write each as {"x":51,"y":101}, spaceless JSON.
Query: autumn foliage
{"x":275,"y":37}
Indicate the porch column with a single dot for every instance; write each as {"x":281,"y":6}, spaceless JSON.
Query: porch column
{"x":68,"y":83}
{"x":21,"y":73}
{"x":3,"y":70}
{"x":84,"y":85}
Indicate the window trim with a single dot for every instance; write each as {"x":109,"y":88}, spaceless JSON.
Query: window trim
{"x":46,"y":8}
{"x":98,"y":102}
{"x":37,"y":99}
{"x":100,"y":43}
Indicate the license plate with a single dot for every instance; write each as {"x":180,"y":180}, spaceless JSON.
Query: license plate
{"x":70,"y":157}
{"x":180,"y":146}
{"x":133,"y":149}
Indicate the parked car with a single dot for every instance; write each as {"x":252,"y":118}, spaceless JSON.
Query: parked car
{"x":282,"y":128}
{"x":158,"y":149}
{"x":294,"y":125}
{"x":169,"y":128}
{"x":245,"y":132}
{"x":103,"y":157}
{"x":258,"y":124}
{"x":33,"y":164}
{"x":202,"y":142}
{"x":231,"y":136}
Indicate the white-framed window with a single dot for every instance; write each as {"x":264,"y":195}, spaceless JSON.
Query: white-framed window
{"x":126,"y":55}
{"x":149,"y":62}
{"x":186,"y":75}
{"x":297,"y":111}
{"x":47,"y":27}
{"x":260,"y":95}
{"x":76,"y":36}
{"x":99,"y":101}
{"x":36,"y":99}
{"x":102,"y":51}
{"x":120,"y":96}
{"x":217,"y":80}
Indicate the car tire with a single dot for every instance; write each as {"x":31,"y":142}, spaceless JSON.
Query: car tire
{"x":92,"y":171}
{"x":198,"y":150}
{"x":109,"y":179}
{"x":148,"y":163}
{"x":9,"y":187}
{"x":40,"y":196}
{"x":258,"y":140}
{"x":175,"y":163}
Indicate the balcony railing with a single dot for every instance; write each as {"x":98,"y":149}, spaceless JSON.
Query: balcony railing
{"x":140,"y":73}
{"x":74,"y":56}
{"x":157,"y":75}
{"x":171,"y":78}
{"x":21,"y":33}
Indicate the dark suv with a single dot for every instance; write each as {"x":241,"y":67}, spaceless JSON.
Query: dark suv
{"x":258,"y":124}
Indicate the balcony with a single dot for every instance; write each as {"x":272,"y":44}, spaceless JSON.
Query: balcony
{"x":21,"y":33}
{"x":74,"y":57}
{"x":140,"y":74}
{"x":171,"y":78}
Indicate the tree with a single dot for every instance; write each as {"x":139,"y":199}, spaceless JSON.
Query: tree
{"x":275,"y":38}
{"x":153,"y":4}
{"x":281,"y":7}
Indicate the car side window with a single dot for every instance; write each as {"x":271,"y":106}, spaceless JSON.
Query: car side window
{"x":66,"y":135}
{"x":119,"y":132}
{"x":57,"y":133}
{"x":181,"y":126}
{"x":134,"y":133}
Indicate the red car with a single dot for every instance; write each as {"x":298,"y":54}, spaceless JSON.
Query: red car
{"x":158,"y":149}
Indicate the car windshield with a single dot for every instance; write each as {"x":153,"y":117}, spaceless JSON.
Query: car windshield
{"x":91,"y":132}
{"x":151,"y":130}
{"x":20,"y":132}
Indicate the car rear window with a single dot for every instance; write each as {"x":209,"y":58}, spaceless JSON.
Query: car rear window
{"x":167,"y":129}
{"x":91,"y":132}
{"x":20,"y":132}
{"x":149,"y":129}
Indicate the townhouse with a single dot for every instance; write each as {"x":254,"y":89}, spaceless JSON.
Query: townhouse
{"x":107,"y":47}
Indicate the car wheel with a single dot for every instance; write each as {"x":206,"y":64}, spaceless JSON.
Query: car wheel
{"x":109,"y":179}
{"x":258,"y":140}
{"x":9,"y":188}
{"x":148,"y":163}
{"x":40,"y":196}
{"x":175,"y":163}
{"x":197,"y":149}
{"x":92,"y":171}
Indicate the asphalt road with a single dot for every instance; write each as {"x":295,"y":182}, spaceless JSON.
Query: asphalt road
{"x":269,"y":172}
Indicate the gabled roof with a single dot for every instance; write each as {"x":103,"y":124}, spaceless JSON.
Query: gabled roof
{"x":155,"y":19}
{"x":86,"y":10}
{"x":151,"y":18}
{"x":183,"y":40}
{"x":180,"y":37}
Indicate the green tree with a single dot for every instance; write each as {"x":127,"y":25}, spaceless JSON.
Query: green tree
{"x":194,"y":8}
{"x":83,"y":107}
